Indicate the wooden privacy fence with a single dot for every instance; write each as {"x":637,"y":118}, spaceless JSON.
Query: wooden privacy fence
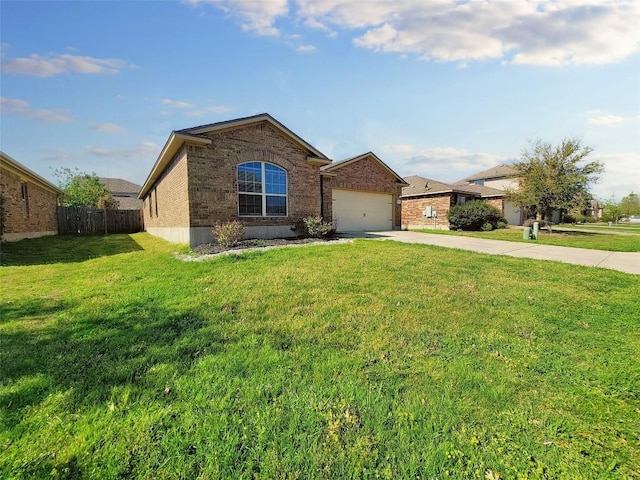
{"x":98,"y":221}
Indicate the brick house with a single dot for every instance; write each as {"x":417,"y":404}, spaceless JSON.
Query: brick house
{"x":426,"y":202}
{"x":257,"y":171}
{"x":500,"y":177}
{"x":30,"y":201}
{"x":123,"y":192}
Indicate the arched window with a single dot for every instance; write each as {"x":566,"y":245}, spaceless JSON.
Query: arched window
{"x":262,"y":190}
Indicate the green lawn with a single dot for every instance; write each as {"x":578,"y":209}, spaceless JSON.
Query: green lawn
{"x":596,"y":241}
{"x":617,"y":227}
{"x":370,"y":359}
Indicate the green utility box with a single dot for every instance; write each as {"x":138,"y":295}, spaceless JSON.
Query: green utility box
{"x":526,"y":233}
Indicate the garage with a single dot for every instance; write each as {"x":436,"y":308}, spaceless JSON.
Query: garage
{"x":356,"y":210}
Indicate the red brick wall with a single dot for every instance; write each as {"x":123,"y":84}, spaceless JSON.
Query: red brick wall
{"x":172,"y":195}
{"x":212,"y":172}
{"x":413,"y":208}
{"x":366,"y":175}
{"x":40,"y":216}
{"x":496,"y":202}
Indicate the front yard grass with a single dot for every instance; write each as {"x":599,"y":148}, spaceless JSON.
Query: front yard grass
{"x":616,"y":227}
{"x":595,"y":241}
{"x":371,"y":359}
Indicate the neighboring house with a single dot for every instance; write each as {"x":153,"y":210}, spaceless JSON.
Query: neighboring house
{"x":259,"y":172}
{"x":426,"y":202}
{"x":501,"y":177}
{"x":594,"y":209}
{"x":30,"y":201}
{"x":124,"y":192}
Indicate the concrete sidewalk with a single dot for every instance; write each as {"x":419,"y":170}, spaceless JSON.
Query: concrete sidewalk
{"x":627,"y":262}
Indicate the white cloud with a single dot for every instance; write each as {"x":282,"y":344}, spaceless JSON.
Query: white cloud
{"x":532,"y":32}
{"x":605,"y":120}
{"x":209,"y":110}
{"x":258,"y":16}
{"x":107,"y":128}
{"x":13,"y":103}
{"x":306,"y":49}
{"x":176,"y":103}
{"x":596,"y":117}
{"x":20,"y":108}
{"x":621,"y":175}
{"x":48,"y":66}
{"x":399,"y":148}
{"x":447,"y":164}
{"x":142,"y":150}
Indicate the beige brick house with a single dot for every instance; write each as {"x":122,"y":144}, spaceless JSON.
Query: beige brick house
{"x":257,"y":171}
{"x":426,"y":202}
{"x":30,"y":201}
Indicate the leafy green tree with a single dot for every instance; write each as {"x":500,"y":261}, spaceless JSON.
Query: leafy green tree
{"x":630,"y":205}
{"x":82,"y":189}
{"x":611,"y":210}
{"x":554,"y":177}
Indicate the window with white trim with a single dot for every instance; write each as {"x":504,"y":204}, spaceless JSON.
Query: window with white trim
{"x":262,"y":190}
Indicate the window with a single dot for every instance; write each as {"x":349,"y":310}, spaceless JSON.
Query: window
{"x":461,"y":200}
{"x":150,"y":205}
{"x":262,"y":190}
{"x":25,"y":199}
{"x":155,"y":194}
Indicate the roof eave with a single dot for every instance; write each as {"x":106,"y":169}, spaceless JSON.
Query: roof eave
{"x":16,"y":167}
{"x":173,"y":145}
{"x":263,"y":117}
{"x":349,"y":161}
{"x":423,"y":194}
{"x":318,"y":161}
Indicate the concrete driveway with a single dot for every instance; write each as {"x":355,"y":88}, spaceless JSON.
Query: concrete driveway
{"x":622,"y":261}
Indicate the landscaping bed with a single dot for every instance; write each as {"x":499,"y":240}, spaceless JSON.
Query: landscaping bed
{"x":214,"y":248}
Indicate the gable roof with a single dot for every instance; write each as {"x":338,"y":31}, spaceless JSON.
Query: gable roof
{"x":119,"y":185}
{"x":426,"y":186}
{"x":16,"y":167}
{"x":196,"y":136}
{"x":262,"y":117}
{"x":329,"y":169}
{"x":500,"y":171}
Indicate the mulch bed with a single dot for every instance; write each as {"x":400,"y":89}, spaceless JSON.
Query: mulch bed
{"x":213,"y":248}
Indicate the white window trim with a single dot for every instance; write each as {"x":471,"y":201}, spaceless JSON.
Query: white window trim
{"x":264,"y":193}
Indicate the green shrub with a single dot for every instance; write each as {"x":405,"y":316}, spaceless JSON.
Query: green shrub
{"x":228,"y":234}
{"x":474,"y":216}
{"x":569,"y":218}
{"x":315,"y":227}
{"x":502,"y":224}
{"x":487,"y":227}
{"x":590,"y":219}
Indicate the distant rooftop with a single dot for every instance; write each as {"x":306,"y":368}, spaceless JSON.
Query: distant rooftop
{"x":124,"y":192}
{"x":118,"y":185}
{"x":501,"y":171}
{"x":427,"y":186}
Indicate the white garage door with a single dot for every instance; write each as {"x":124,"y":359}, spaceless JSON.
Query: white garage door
{"x":353,"y":210}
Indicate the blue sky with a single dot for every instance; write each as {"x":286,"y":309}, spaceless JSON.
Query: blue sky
{"x":440,"y":89}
